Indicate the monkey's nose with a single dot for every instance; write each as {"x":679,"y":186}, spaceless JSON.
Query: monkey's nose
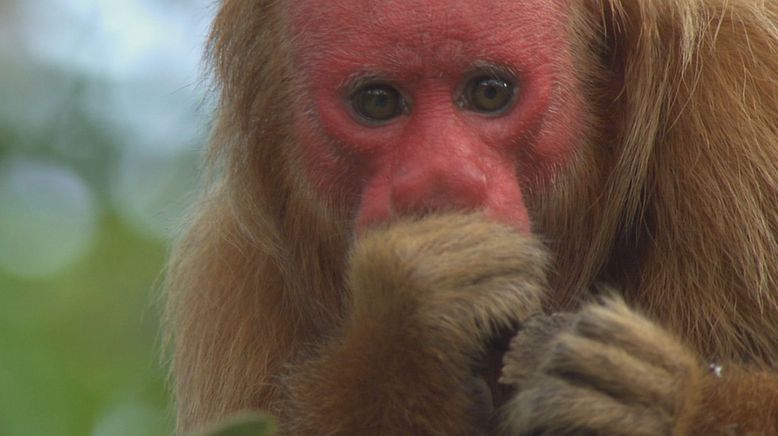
{"x":438,"y":186}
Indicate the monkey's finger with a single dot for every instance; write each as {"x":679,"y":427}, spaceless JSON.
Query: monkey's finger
{"x":615,"y":324}
{"x":531,"y":344}
{"x":554,"y":407}
{"x":610,"y":370}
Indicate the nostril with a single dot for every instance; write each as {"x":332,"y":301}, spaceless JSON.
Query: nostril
{"x":430,"y":187}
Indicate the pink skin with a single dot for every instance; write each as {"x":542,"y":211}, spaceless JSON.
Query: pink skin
{"x":439,"y":155}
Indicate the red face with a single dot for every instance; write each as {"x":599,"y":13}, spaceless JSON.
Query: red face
{"x":442,"y":104}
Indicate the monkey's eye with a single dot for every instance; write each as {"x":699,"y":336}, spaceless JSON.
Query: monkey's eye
{"x":488,"y":94}
{"x":377,"y":103}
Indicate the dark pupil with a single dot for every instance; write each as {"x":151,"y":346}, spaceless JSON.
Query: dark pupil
{"x":490,"y":92}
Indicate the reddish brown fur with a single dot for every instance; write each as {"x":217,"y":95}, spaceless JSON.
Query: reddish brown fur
{"x":400,"y":360}
{"x":674,"y":202}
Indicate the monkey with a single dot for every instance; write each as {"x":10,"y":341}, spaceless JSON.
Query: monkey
{"x":485,"y":217}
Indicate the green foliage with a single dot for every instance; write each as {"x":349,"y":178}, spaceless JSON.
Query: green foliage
{"x":89,"y":106}
{"x":78,"y":351}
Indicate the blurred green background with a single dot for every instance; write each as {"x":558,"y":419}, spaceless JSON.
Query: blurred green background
{"x":103,"y":114}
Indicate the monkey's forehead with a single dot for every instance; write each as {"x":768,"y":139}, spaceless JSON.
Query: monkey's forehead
{"x":526,"y":34}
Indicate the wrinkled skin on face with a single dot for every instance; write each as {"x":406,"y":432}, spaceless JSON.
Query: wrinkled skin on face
{"x":438,"y":153}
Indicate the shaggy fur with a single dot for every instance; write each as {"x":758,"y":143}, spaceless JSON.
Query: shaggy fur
{"x":427,"y":297}
{"x":673,"y":202}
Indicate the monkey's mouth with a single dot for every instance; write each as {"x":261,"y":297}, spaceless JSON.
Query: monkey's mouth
{"x":490,"y":393}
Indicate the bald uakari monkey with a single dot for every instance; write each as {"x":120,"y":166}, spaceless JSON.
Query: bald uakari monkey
{"x":398,"y":190}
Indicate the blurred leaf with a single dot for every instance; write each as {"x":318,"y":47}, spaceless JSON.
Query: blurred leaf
{"x":247,"y":424}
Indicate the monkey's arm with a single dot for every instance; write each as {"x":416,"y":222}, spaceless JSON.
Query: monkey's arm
{"x":608,"y":370}
{"x":426,"y":297}
{"x":739,"y":401}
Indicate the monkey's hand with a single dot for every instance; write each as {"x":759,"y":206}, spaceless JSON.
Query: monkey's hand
{"x":428,"y":297}
{"x":605,"y":370}
{"x":458,"y":279}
